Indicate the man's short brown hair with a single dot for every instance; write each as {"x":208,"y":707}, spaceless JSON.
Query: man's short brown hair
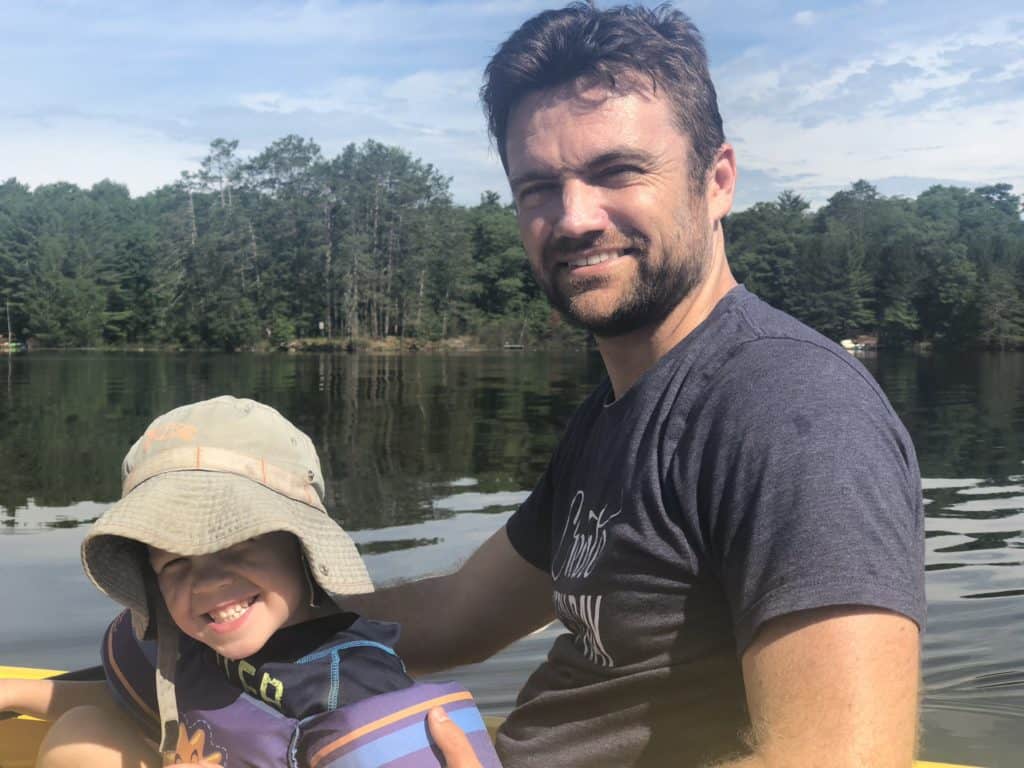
{"x":624,"y":48}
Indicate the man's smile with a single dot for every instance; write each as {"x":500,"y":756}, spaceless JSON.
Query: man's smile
{"x":593,"y":258}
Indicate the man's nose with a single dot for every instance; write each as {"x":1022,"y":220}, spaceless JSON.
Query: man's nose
{"x":582,"y":212}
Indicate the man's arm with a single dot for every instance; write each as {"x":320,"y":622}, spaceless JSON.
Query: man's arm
{"x":833,"y":686}
{"x":49,"y":699}
{"x":494,"y":598}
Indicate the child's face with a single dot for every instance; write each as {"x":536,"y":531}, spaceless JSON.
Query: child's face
{"x":235,"y":599}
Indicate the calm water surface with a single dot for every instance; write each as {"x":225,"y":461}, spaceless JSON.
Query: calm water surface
{"x":426,"y":456}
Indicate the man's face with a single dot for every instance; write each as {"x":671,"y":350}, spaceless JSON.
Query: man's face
{"x":615,"y":232}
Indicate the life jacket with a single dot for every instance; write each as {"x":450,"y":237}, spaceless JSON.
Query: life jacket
{"x":347,"y":703}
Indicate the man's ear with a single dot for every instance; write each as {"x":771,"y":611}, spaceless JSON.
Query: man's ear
{"x":721,"y":184}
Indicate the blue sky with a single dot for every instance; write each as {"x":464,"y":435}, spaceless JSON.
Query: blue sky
{"x":814,"y":95}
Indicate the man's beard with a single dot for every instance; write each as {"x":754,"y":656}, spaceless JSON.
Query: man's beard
{"x":657,"y":289}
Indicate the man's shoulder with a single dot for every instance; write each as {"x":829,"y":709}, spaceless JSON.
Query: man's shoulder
{"x":777,"y":353}
{"x":764,"y":323}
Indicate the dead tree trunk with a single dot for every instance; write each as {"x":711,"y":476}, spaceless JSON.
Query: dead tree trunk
{"x":192,"y":219}
{"x":328,"y":259}
{"x":419,"y":304}
{"x":444,"y":315}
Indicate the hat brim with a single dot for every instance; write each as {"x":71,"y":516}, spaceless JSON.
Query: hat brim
{"x":197,"y":512}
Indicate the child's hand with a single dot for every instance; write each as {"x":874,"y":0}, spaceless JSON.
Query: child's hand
{"x":457,"y":751}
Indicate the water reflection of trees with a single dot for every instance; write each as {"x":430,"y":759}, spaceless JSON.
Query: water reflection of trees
{"x":964,"y":410}
{"x":393,"y":432}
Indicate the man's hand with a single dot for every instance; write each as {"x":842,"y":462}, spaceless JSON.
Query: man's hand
{"x":457,"y":751}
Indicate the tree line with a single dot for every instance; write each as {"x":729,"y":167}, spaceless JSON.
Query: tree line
{"x":285,"y":244}
{"x":369,"y":245}
{"x":946,"y":267}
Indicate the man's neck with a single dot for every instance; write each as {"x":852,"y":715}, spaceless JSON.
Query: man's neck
{"x":629,"y":356}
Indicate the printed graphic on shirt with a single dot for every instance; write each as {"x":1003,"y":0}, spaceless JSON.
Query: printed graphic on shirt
{"x":580,"y":547}
{"x":192,"y":747}
{"x":266,"y":687}
{"x":581,"y":615}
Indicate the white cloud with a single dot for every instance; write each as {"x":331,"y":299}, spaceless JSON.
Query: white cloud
{"x":86,"y":150}
{"x":433,"y":114}
{"x":805,"y":18}
{"x":937,"y":108}
{"x":315,"y":21}
{"x":965,"y":145}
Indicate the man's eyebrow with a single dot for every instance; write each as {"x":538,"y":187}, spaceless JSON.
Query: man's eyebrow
{"x":633,"y":156}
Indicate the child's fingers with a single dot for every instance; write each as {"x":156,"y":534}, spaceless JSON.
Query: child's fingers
{"x":457,"y":751}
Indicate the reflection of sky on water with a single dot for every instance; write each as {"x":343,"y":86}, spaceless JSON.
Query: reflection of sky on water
{"x":456,"y":538}
{"x":470,"y":502}
{"x":932,"y":483}
{"x":426,"y":455}
{"x":990,"y":490}
{"x":32,"y":518}
{"x":974,"y":660}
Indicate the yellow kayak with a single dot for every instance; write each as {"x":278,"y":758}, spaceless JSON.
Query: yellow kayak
{"x":20,"y":736}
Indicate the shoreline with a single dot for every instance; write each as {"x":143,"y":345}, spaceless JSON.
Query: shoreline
{"x":389,"y":346}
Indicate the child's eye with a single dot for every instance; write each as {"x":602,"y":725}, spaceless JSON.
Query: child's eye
{"x":173,"y":563}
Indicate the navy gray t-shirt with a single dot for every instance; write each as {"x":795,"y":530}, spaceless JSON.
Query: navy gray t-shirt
{"x":756,"y":470}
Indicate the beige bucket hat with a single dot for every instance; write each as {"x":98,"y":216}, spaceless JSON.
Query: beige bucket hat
{"x":209,"y":475}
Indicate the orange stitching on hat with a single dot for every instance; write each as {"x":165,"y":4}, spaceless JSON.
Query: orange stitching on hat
{"x":169,"y":431}
{"x":288,"y":482}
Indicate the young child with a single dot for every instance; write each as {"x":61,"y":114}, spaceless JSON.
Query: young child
{"x":235,"y":649}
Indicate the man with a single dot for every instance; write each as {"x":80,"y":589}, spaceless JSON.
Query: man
{"x":731,"y":528}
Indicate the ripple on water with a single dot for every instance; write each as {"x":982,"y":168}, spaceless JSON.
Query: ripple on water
{"x":32,"y":518}
{"x":938,"y":483}
{"x":973,"y":668}
{"x":988,"y":490}
{"x":477,"y":502}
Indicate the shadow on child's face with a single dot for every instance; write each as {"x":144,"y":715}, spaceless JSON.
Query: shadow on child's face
{"x":234,"y":600}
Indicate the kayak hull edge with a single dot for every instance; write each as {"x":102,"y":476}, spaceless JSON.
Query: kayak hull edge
{"x":20,"y":737}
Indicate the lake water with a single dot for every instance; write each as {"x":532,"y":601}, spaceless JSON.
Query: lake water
{"x":427,"y":455}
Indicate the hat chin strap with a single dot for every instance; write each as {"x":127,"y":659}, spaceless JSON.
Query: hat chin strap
{"x":166,"y":664}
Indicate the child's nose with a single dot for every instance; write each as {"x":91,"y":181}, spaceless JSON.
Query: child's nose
{"x":208,"y":574}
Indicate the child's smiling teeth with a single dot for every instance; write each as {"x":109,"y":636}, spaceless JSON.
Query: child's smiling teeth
{"x":226,"y":613}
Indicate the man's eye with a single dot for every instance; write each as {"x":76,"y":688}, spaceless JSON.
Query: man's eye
{"x":534,"y":193}
{"x":619,"y":173}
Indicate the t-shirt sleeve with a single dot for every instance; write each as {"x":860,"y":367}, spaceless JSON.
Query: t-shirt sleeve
{"x":529,"y":528}
{"x":811,"y":487}
{"x":129,"y":665}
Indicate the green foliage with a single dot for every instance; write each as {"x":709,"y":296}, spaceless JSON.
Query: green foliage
{"x":945,"y":268}
{"x":368,"y":244}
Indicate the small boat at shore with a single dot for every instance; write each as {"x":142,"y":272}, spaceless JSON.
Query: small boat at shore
{"x":20,"y":736}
